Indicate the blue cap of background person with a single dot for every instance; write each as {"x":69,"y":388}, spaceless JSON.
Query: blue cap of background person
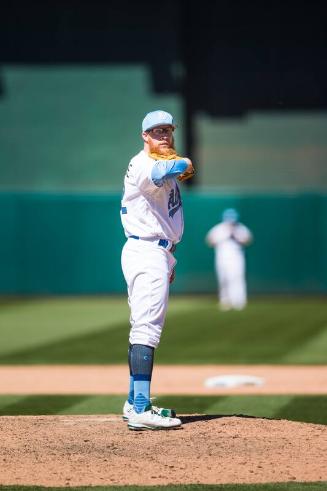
{"x":157,"y":118}
{"x":230,"y":215}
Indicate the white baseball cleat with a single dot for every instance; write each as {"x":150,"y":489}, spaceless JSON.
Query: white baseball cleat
{"x":152,"y":420}
{"x":128,"y":409}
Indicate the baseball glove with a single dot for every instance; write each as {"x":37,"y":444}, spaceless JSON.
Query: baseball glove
{"x":173,"y":156}
{"x":186,"y":175}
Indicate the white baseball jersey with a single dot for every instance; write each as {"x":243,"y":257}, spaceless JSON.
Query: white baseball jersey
{"x":229,"y":239}
{"x":149,"y":211}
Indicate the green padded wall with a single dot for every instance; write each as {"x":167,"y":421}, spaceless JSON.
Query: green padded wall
{"x":70,"y":243}
{"x":58,"y":244}
{"x":289,"y":251}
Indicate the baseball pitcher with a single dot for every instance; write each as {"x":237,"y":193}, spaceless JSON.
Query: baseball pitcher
{"x":152,"y":218}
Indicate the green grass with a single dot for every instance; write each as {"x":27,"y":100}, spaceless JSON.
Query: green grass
{"x":288,"y":486}
{"x":95,"y":330}
{"x":310,"y":409}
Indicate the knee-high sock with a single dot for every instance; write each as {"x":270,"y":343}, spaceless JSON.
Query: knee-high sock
{"x":142,"y":366}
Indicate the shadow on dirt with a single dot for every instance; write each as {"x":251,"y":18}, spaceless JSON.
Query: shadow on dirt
{"x":208,"y":417}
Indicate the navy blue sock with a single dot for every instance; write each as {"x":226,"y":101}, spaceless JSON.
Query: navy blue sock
{"x":141,"y":367}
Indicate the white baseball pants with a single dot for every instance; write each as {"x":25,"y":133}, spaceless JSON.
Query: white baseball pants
{"x":231,"y":279}
{"x":147,"y":268}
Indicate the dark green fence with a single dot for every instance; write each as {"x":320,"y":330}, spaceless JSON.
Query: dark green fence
{"x":71,"y":243}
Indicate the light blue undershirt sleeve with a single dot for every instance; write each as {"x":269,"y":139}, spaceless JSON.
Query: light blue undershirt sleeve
{"x":167,"y":169}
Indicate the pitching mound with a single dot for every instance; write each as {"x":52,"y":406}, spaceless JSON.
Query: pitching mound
{"x":100,"y":450}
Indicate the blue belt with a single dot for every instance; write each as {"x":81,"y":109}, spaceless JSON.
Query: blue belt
{"x":161,"y":242}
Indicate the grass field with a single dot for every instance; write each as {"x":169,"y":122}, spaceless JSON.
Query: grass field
{"x":94,"y":330}
{"x":310,"y":409}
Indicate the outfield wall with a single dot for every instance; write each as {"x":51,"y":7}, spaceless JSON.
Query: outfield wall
{"x":70,"y":243}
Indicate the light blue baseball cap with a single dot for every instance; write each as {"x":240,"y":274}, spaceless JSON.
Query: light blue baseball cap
{"x":230,"y":215}
{"x":157,"y":118}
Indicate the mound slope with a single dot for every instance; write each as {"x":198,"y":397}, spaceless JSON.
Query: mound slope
{"x":100,"y":450}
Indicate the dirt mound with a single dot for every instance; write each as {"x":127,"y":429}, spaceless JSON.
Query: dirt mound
{"x":100,"y":450}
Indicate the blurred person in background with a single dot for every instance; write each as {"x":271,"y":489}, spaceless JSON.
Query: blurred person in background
{"x":228,"y":239}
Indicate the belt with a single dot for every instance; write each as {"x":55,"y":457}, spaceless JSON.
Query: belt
{"x":167,"y":244}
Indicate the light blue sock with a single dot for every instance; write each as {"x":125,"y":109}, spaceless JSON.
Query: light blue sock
{"x":131,"y":390}
{"x":141,"y":367}
{"x":142,"y":391}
